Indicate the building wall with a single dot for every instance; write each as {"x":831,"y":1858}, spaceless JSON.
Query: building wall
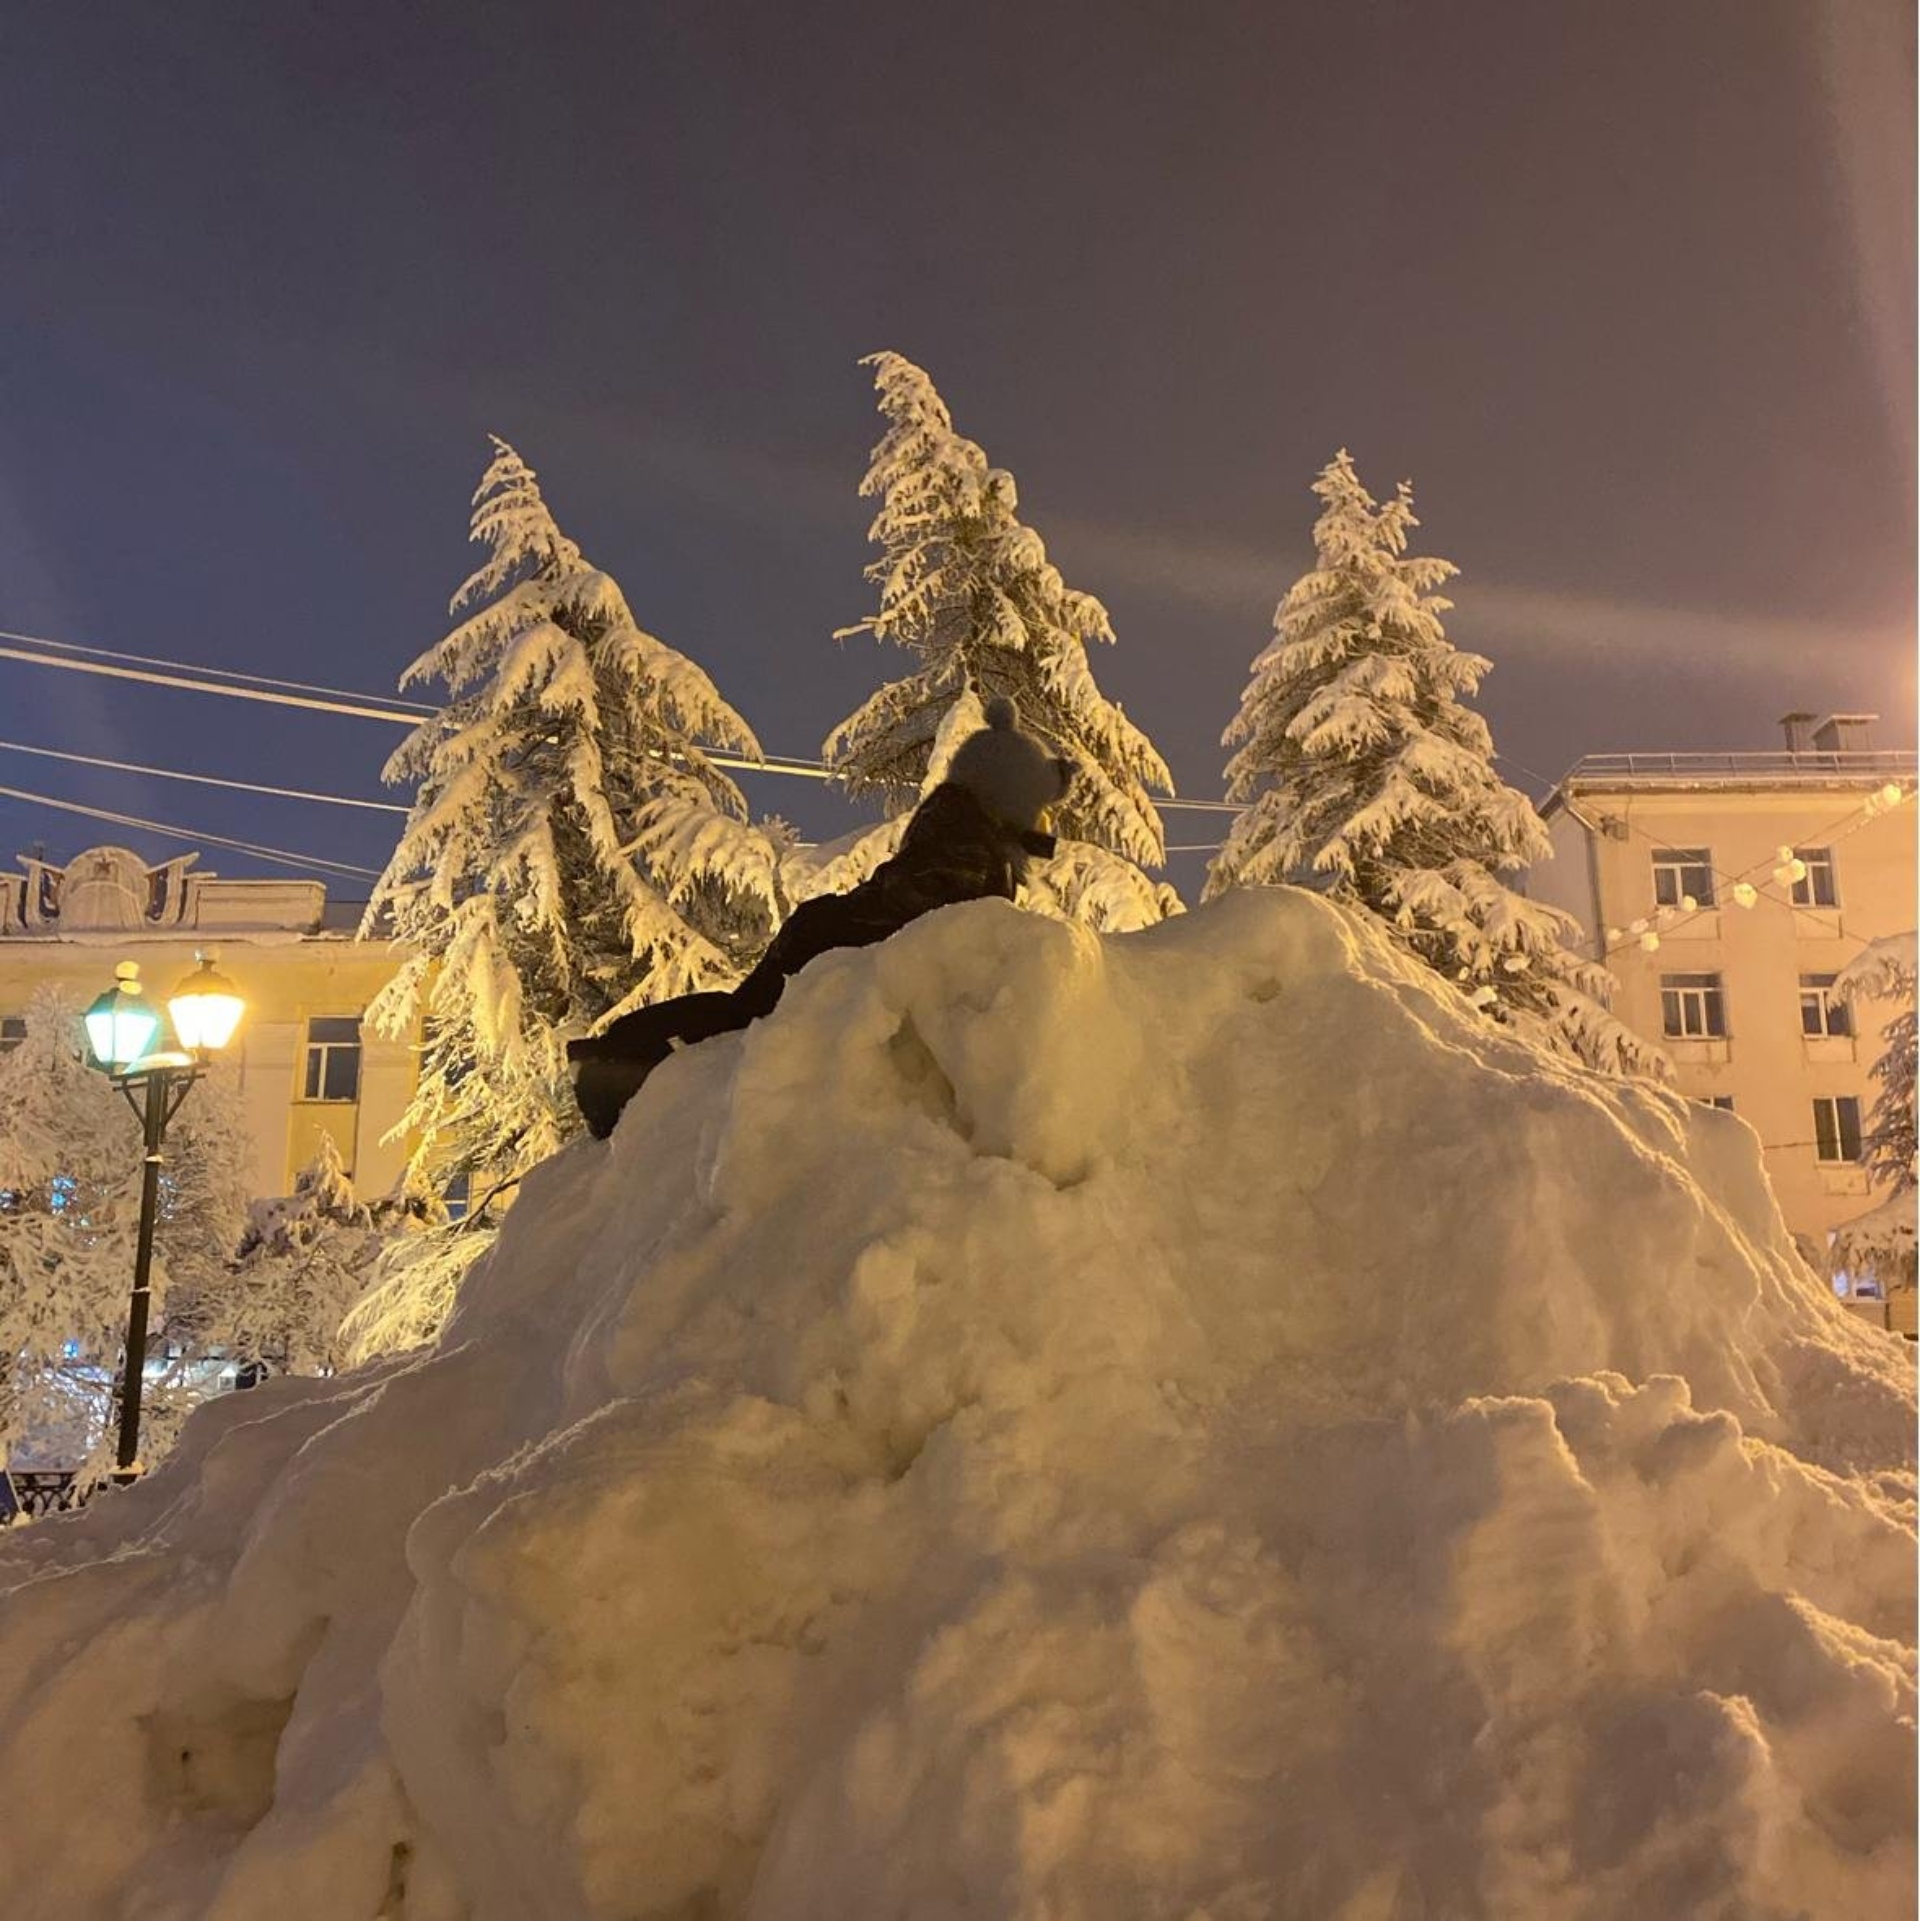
{"x":286,"y":979}
{"x":1770,"y":1069}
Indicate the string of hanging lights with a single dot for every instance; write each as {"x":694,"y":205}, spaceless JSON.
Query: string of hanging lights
{"x":1787,"y":870}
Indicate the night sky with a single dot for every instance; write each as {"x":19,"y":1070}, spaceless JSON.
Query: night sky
{"x":1625,"y":289}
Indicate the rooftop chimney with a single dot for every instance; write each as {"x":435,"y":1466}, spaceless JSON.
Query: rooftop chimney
{"x":1797,"y":728}
{"x":1845,"y":734}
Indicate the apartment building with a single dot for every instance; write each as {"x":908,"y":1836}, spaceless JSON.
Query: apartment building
{"x":302,"y":1060}
{"x":1726,"y":891}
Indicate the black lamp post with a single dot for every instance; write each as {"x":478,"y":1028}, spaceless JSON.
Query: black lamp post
{"x":121,"y":1031}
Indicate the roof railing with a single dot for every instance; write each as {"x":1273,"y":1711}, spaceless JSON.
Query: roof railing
{"x":1811,"y":764}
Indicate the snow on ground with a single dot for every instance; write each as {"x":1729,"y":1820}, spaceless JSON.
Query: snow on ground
{"x":1192,"y":1424}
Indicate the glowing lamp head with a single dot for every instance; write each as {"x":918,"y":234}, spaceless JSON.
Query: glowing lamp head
{"x":121,"y":1027}
{"x":206,"y":1008}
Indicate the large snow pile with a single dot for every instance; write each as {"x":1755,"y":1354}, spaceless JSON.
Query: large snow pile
{"x":1191,"y":1424}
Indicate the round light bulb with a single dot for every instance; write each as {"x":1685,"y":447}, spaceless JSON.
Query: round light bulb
{"x":1650,"y":941}
{"x":1745,"y":893}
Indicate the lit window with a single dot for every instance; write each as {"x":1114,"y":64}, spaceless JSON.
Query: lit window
{"x":1681,"y":874}
{"x":1692,"y":1006}
{"x":1815,"y":887}
{"x":1820,"y":1014}
{"x":13,"y":1030}
{"x":1836,"y":1127}
{"x":333,"y":1059}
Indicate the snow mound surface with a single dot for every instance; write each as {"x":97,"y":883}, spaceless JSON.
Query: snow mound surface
{"x":1191,"y":1424}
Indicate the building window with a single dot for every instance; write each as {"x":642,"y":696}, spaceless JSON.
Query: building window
{"x":458,"y":1196}
{"x":1724,"y":1102}
{"x":1683,"y":874}
{"x":13,"y":1030}
{"x":1820,"y":1014}
{"x":1692,"y":1006}
{"x":1815,"y":887}
{"x":333,"y":1058}
{"x":1836,"y":1127}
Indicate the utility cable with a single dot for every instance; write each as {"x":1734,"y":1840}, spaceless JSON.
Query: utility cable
{"x":354,"y":706}
{"x":203,"y":780}
{"x":279,"y":856}
{"x":187,"y":677}
{"x":195,"y":667}
{"x":353,"y":709}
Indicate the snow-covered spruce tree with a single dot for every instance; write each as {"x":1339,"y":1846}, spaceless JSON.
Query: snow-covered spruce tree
{"x":1882,"y":1241}
{"x":1361,"y":773}
{"x":70,"y":1166}
{"x":967,"y":588}
{"x":1886,"y":970}
{"x":572,"y":849}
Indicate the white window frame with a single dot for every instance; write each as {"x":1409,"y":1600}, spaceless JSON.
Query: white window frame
{"x":1680,"y":871}
{"x":1833,"y":1019}
{"x":1819,"y":865}
{"x":1693,"y":1007}
{"x":317,"y":1062}
{"x":1834,"y":1117}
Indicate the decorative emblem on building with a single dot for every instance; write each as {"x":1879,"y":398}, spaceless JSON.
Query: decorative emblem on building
{"x":106,"y":890}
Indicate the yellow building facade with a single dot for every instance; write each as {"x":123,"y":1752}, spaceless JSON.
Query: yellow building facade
{"x":1726,"y":892}
{"x":302,"y":1060}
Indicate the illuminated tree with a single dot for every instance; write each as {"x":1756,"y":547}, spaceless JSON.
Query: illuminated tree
{"x":967,"y":589}
{"x":572,"y":849}
{"x":1361,"y":773}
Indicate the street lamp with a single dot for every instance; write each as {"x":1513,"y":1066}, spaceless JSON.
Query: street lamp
{"x":122,"y":1029}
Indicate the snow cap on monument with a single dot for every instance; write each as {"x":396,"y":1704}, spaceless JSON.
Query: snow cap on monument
{"x":1007,"y":771}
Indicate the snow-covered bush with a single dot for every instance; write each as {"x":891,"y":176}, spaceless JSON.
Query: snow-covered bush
{"x":966,"y":587}
{"x":304,"y":1260}
{"x":1363,"y":774}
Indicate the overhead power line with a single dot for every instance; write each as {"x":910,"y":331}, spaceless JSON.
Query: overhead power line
{"x":188,"y":677}
{"x":330,"y":700}
{"x":202,"y":669}
{"x":279,"y":856}
{"x":354,"y":709}
{"x":202,"y":780}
